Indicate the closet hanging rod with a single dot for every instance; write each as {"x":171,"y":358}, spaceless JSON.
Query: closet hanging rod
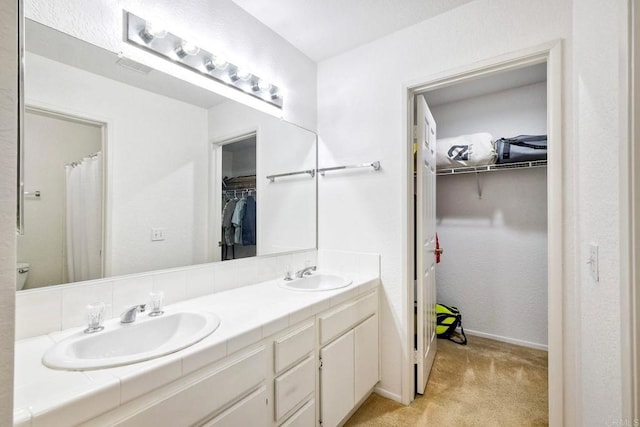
{"x":375,"y":165}
{"x":272,"y":178}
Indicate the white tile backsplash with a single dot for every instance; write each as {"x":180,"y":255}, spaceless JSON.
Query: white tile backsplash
{"x":38,"y":312}
{"x":51,"y":309}
{"x":200,"y":280}
{"x":75,"y":299}
{"x":129,"y":291}
{"x":226,"y":276}
{"x":173,"y":284}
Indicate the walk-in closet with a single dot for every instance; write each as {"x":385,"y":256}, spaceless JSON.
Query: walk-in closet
{"x":239,"y":198}
{"x":491,"y":218}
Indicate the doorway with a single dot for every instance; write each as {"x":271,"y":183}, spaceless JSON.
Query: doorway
{"x":235,"y":190}
{"x":64,"y":200}
{"x":549,"y":55}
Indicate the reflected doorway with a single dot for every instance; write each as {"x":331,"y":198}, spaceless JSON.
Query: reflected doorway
{"x":238,"y":197}
{"x":64,"y":186}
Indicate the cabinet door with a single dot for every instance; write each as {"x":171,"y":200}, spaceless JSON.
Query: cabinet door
{"x":337,"y":380}
{"x":250,"y":411}
{"x":366,"y":357}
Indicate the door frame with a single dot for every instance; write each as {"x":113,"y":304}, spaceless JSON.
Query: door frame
{"x":107,"y":129}
{"x":215,"y":185}
{"x":551,"y":53}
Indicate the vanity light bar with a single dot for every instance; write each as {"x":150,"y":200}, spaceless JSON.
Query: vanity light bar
{"x":151,"y":37}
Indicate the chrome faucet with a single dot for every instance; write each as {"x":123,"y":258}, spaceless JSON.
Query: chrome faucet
{"x":305,"y":271}
{"x":129,"y":315}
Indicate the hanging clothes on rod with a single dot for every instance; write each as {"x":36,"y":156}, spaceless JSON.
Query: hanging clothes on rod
{"x":238,"y":220}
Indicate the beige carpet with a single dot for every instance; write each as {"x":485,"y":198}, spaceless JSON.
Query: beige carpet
{"x":486,"y":383}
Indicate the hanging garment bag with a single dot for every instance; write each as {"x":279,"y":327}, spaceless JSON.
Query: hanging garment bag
{"x":522,"y":148}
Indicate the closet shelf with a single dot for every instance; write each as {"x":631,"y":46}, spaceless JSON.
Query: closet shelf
{"x":492,"y":168}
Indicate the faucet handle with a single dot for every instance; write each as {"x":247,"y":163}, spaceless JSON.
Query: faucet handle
{"x":309,"y":269}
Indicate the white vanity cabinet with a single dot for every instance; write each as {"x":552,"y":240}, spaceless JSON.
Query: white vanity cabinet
{"x":196,"y":397}
{"x":311,"y":374}
{"x":295,"y":368}
{"x":349,"y":366}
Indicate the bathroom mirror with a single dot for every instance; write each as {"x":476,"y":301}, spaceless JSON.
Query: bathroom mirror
{"x":126,"y":168}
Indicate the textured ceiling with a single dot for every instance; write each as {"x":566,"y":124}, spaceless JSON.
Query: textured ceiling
{"x":325,"y":28}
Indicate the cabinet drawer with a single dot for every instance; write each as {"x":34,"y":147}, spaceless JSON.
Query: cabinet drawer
{"x":250,"y":411}
{"x":303,"y":417}
{"x":346,"y":317}
{"x":294,"y":386}
{"x":193,"y":403}
{"x":293,"y":347}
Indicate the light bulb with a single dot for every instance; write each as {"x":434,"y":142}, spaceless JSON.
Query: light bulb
{"x":275,"y":92}
{"x":220,"y":62}
{"x":264,"y":85}
{"x":243,"y":74}
{"x":215,"y":63}
{"x":153,"y":30}
{"x":187,"y":48}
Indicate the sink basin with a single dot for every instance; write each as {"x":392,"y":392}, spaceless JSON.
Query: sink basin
{"x":122,"y":344}
{"x":317,"y":282}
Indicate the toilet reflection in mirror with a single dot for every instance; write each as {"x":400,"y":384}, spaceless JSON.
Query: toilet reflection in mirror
{"x":62,"y":240}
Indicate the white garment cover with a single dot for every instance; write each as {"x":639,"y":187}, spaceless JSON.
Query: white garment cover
{"x":465,"y":150}
{"x":84,"y":219}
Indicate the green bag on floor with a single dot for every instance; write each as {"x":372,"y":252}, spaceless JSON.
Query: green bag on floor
{"x":448,"y":318}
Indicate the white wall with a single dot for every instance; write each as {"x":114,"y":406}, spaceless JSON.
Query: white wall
{"x":50,"y":143}
{"x":157,"y":166}
{"x":494,"y":268}
{"x":8,"y":139}
{"x":216,"y":25}
{"x":517,"y":111}
{"x":287,"y":204}
{"x":600,"y":95}
{"x":360,"y":118}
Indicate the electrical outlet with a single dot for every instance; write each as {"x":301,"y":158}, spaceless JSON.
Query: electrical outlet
{"x":157,"y":234}
{"x":594,"y":262}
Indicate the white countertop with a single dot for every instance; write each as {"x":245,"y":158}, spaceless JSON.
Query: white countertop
{"x":49,"y":397}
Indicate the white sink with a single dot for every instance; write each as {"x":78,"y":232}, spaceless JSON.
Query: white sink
{"x":122,"y":344}
{"x":317,"y":282}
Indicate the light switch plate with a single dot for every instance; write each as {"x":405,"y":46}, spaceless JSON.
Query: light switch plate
{"x":157,"y":234}
{"x":594,"y":262}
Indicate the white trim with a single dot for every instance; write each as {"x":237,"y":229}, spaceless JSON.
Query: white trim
{"x":629,"y":182}
{"x":508,"y":340}
{"x":215,"y":190}
{"x":551,"y":53}
{"x":387,"y":394}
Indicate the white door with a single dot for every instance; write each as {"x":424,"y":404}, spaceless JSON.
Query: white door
{"x":425,"y":139}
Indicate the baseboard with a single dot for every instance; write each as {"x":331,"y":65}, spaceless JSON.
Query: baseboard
{"x":507,"y":340}
{"x":385,"y":393}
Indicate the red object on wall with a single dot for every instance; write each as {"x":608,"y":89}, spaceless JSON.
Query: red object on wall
{"x":438,"y":253}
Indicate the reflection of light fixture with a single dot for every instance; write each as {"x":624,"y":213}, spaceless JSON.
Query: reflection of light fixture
{"x":215,"y":63}
{"x":243,"y":73}
{"x":154,"y":38}
{"x":152,"y":31}
{"x":186,"y":48}
{"x":261,"y":85}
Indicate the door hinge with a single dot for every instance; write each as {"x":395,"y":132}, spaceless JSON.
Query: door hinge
{"x":320,"y":423}
{"x":320,"y":363}
{"x":416,"y":357}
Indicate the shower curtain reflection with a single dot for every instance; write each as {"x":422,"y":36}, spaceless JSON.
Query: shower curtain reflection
{"x":84,"y":218}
